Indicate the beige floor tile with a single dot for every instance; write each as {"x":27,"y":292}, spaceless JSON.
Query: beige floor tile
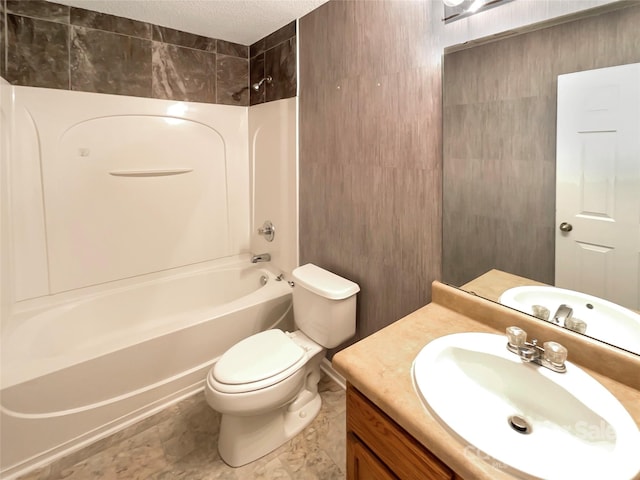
{"x":181,"y":443}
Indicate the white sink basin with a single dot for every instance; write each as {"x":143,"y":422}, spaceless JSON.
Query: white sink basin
{"x":473,"y":385}
{"x":605,"y":320}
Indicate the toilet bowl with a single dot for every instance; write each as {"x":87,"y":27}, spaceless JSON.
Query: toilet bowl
{"x":266,"y":386}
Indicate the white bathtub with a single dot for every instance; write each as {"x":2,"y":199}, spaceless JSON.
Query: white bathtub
{"x":86,"y":367}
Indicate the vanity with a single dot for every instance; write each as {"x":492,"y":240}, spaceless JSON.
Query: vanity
{"x":391,"y":434}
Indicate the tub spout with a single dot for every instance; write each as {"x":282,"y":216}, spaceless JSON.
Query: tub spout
{"x":262,"y":257}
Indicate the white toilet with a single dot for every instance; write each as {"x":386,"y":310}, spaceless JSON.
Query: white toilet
{"x":266,"y":386}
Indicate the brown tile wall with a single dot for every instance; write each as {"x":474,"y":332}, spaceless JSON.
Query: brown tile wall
{"x":500,"y":139}
{"x":370,"y":151}
{"x":274,"y":56}
{"x":56,"y":46}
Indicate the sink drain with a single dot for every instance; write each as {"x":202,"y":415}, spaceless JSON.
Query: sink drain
{"x":520,"y":424}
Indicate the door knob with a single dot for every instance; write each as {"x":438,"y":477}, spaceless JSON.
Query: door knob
{"x":566,"y":227}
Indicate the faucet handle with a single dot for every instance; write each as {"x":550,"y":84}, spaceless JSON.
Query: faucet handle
{"x":267,"y":230}
{"x":516,"y":336}
{"x":555,"y":353}
{"x":576,"y":324}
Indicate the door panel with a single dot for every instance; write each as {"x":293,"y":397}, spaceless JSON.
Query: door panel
{"x":598,"y":183}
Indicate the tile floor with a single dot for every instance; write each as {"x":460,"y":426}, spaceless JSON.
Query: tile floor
{"x":180,"y":443}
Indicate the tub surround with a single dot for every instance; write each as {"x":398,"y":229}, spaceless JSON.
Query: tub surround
{"x":177,"y":158}
{"x":380,"y":368}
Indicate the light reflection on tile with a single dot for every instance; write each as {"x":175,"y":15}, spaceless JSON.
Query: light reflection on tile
{"x":181,"y":443}
{"x":183,"y":74}
{"x":105,"y":62}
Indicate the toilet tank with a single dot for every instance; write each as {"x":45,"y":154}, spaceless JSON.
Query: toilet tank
{"x":324,"y":305}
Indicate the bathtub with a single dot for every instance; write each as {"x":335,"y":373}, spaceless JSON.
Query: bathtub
{"x":87,"y":366}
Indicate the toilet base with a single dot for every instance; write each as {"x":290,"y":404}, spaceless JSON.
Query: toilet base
{"x":245,"y":439}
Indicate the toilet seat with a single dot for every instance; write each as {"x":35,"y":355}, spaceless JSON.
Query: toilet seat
{"x":257,"y":362}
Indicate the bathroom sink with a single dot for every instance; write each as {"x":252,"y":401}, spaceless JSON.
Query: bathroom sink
{"x":604,"y":320}
{"x":523,"y":418}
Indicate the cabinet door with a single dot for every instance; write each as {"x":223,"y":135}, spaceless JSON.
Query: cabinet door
{"x":390,"y":443}
{"x":362,"y":464}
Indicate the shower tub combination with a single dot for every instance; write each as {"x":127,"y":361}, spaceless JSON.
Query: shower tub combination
{"x":85,"y":368}
{"x":129,"y":224}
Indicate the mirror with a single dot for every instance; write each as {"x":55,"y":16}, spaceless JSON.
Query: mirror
{"x":499,"y":143}
{"x":459,"y":9}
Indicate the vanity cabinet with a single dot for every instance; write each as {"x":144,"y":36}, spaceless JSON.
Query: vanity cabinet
{"x":379,"y":449}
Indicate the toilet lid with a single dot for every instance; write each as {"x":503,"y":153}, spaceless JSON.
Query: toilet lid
{"x":257,"y":357}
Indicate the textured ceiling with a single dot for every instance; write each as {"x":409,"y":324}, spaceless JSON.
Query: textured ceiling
{"x":239,"y":21}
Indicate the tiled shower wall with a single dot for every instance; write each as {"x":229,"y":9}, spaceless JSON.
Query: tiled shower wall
{"x":57,"y":46}
{"x":500,"y":141}
{"x":274,"y":56}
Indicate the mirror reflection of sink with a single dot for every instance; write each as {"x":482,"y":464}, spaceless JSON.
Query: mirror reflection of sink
{"x":524,"y":418}
{"x":604,"y":320}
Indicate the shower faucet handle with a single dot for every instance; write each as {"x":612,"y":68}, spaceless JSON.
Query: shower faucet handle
{"x":267,"y":230}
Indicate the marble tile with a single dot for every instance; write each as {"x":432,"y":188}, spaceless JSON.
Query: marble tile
{"x":183,"y":74}
{"x":110,"y":23}
{"x":280,"y":35}
{"x":137,"y":457}
{"x":280,"y":63}
{"x":332,"y":397}
{"x":182,"y":445}
{"x":2,"y":40}
{"x":273,"y":39}
{"x":41,"y":9}
{"x":37,"y":52}
{"x":233,"y":49}
{"x":115,"y":439}
{"x":183,"y":39}
{"x":256,"y":73}
{"x":193,"y":428}
{"x":105,"y":62}
{"x":232,"y":80}
{"x":257,"y":48}
{"x":267,"y":468}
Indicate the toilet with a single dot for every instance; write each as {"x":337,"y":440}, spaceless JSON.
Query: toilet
{"x":266,"y":386}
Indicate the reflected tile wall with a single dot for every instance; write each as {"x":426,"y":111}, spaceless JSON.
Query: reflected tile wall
{"x":274,"y":55}
{"x":499,"y":140}
{"x":57,"y":46}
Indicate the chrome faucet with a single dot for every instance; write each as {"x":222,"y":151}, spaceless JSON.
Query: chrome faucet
{"x":563,"y":314}
{"x":551,"y":355}
{"x":261,"y":257}
{"x":564,"y":317}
